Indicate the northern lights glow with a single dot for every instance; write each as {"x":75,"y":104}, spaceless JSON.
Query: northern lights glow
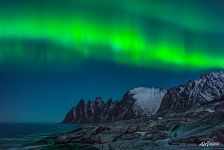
{"x":56,"y":52}
{"x":141,"y":33}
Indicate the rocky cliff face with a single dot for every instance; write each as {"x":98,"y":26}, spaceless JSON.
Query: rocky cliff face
{"x":139,"y":102}
{"x":196,"y":92}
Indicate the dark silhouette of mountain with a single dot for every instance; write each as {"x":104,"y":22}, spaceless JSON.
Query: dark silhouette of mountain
{"x":138,"y":102}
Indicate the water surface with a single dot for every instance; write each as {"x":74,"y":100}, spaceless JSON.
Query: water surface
{"x":27,"y":136}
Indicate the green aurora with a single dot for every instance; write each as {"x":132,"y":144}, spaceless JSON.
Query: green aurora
{"x":153,"y":33}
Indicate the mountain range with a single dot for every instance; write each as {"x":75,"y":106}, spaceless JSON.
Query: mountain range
{"x":145,"y":102}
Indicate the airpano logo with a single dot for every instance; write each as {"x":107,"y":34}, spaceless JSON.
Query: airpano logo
{"x":209,"y":144}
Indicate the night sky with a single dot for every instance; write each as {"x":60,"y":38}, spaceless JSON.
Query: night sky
{"x":55,"y":52}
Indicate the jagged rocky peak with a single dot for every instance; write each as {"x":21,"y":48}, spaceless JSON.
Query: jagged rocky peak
{"x":92,"y":111}
{"x":195,"y":92}
{"x":99,"y":102}
{"x":147,"y":100}
{"x":138,"y":102}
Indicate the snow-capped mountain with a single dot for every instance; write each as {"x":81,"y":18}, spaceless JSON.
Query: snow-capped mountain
{"x":138,"y":102}
{"x":196,"y":92}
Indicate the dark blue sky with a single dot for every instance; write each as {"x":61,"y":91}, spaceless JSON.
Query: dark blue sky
{"x":46,"y":94}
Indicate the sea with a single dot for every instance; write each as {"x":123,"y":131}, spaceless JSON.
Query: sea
{"x":19,"y":136}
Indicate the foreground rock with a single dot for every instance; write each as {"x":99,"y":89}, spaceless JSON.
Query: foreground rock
{"x":139,"y":102}
{"x":172,"y":130}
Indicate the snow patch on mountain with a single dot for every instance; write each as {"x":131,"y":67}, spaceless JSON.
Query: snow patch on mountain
{"x":147,"y":100}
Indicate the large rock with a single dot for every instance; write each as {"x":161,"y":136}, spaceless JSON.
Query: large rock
{"x":136,"y":103}
{"x":196,"y":92}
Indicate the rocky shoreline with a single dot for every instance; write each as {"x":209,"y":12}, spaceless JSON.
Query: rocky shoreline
{"x":186,"y":130}
{"x":188,"y":117}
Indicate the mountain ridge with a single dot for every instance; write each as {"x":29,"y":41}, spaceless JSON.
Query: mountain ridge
{"x":207,"y":88}
{"x":129,"y":107}
{"x":144,"y":102}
